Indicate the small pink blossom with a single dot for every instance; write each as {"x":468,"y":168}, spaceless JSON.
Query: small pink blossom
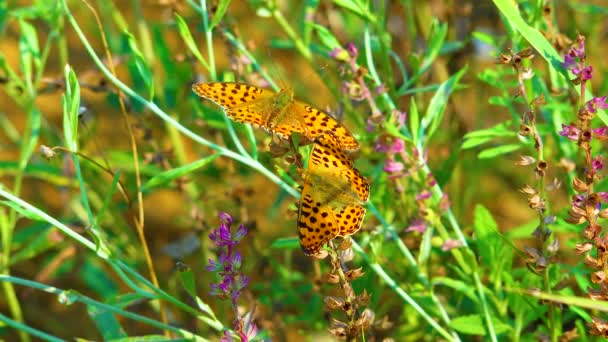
{"x":417,"y":226}
{"x":451,"y":244}
{"x":597,"y":163}
{"x":392,"y":166}
{"x":424,"y":195}
{"x":570,"y":131}
{"x":596,"y":103}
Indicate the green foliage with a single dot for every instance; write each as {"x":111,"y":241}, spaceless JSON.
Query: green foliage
{"x":449,"y":249}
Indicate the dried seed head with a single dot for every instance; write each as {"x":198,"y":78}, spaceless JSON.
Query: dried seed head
{"x":346,"y":243}
{"x":332,"y":278}
{"x":354,"y":274}
{"x":524,"y":130}
{"x":334,"y":303}
{"x":579,"y":185}
{"x":583,"y":247}
{"x":525,"y":161}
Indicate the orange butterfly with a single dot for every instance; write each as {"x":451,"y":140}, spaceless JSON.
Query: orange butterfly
{"x":278,"y":113}
{"x":333,"y":196}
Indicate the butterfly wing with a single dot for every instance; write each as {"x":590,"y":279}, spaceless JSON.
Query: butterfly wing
{"x":316,"y":222}
{"x":241,"y":102}
{"x":318,"y":122}
{"x":257,"y":106}
{"x":332,"y":197}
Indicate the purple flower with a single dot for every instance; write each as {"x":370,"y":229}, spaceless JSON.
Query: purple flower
{"x":228,"y":269}
{"x":569,"y":62}
{"x":578,"y":200}
{"x":222,"y":236}
{"x":214,"y":266}
{"x":392,"y":166}
{"x":451,"y":244}
{"x":575,"y":55}
{"x":585,"y":73}
{"x":397,"y":146}
{"x":596,"y":103}
{"x":352,"y":50}
{"x":371,"y":125}
{"x":424,"y":195}
{"x":603,"y":196}
{"x":570,"y":131}
{"x":417,"y":226}
{"x":597,"y":163}
{"x":229,"y":261}
{"x":227,"y":337}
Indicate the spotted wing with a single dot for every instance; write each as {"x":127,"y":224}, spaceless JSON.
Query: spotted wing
{"x":249,"y":104}
{"x":318,"y":122}
{"x":332,"y":196}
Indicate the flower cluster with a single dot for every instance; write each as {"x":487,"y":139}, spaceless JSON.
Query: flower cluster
{"x":233,"y":281}
{"x":586,"y":207}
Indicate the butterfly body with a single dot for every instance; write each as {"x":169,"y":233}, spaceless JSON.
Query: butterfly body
{"x":278,"y":113}
{"x":333,"y":196}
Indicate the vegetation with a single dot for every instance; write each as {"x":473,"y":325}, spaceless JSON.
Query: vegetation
{"x":131,"y":208}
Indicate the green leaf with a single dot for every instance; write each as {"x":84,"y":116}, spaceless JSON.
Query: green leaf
{"x":496,"y":251}
{"x":95,"y":277}
{"x":434,"y":114}
{"x":542,"y":46}
{"x":184,"y":32}
{"x":475,"y":141}
{"x":327,"y":37}
{"x":21,"y":211}
{"x":28,"y":51}
{"x":186,"y":277}
{"x":485,"y":37}
{"x":476,"y":325}
{"x":106,"y":322}
{"x":497,"y":151}
{"x":486,"y":233}
{"x":33,"y":128}
{"x":437,"y":37}
{"x":415,"y":122}
{"x":357,"y":8}
{"x":168,"y":176}
{"x":286,"y":243}
{"x":71,"y":107}
{"x":222,"y":7}
{"x":482,"y":136}
{"x":458,"y":286}
{"x":140,"y":63}
{"x":35,"y":244}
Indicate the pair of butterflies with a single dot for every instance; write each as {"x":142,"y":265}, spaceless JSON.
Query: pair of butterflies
{"x":334,"y":192}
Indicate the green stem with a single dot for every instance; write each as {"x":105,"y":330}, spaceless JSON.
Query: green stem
{"x":159,"y":112}
{"x":402,"y":294}
{"x":302,"y":48}
{"x":77,"y":297}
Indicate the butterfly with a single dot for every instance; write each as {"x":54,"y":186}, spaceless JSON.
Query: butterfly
{"x":333,"y":196}
{"x":278,"y":113}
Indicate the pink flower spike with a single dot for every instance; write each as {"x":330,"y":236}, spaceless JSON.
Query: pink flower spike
{"x":570,"y":132}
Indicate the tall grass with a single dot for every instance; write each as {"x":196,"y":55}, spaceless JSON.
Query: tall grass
{"x":485,"y":219}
